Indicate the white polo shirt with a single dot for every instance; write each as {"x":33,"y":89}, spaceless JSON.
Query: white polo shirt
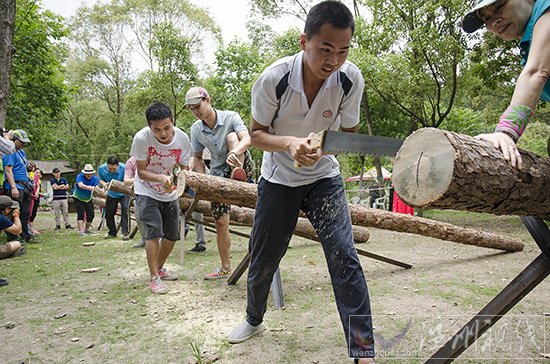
{"x":291,"y":115}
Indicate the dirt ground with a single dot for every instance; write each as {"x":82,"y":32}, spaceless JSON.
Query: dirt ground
{"x":52,"y":313}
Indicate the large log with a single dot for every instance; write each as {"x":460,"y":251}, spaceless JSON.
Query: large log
{"x":245,"y":215}
{"x":244,"y":194}
{"x":445,"y":170}
{"x":364,"y":216}
{"x":99,"y":192}
{"x":98,"y":201}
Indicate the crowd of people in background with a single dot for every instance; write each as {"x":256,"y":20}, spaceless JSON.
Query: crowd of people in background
{"x":218,"y":146}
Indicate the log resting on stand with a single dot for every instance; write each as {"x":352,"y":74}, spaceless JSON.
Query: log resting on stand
{"x":244,"y":194}
{"x":244,"y":215}
{"x":445,"y":170}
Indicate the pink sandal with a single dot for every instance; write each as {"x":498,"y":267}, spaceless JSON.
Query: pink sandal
{"x":239,"y":174}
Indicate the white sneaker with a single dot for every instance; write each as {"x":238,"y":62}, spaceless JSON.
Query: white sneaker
{"x":157,"y":286}
{"x":244,"y":332}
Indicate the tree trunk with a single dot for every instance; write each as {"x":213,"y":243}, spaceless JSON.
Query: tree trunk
{"x":7,"y":22}
{"x":380,"y":219}
{"x":98,"y":201}
{"x":99,"y":192}
{"x":222,"y":190}
{"x":244,"y":194}
{"x":445,"y":170}
{"x":245,"y":216}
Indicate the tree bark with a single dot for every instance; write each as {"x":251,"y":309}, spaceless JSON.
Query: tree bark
{"x":7,"y":24}
{"x":380,"y":219}
{"x":98,"y":201}
{"x":245,"y":216}
{"x":244,"y":194}
{"x":99,"y":192}
{"x":445,"y":170}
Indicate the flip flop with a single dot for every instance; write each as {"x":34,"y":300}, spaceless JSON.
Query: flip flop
{"x":239,"y":174}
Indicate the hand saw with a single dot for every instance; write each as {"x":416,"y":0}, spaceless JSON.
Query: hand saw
{"x":335,"y":142}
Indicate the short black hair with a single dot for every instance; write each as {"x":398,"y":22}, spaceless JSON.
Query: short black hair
{"x":112,"y":160}
{"x":157,"y":111}
{"x":55,"y":170}
{"x":328,"y":12}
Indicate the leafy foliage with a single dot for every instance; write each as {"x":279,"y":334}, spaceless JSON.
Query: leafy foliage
{"x":420,"y":70}
{"x":38,"y":94}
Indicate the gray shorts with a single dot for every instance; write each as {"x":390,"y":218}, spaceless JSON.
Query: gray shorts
{"x":160,"y":219}
{"x":5,"y":251}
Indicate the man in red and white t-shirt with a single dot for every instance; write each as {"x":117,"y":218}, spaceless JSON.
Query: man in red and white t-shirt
{"x":158,"y":149}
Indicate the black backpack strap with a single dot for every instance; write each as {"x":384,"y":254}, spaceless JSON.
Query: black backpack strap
{"x":345,"y":82}
{"x":282,"y":86}
{"x":280,"y":89}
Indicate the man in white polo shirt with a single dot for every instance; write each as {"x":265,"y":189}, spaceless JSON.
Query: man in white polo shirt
{"x":295,"y":97}
{"x":225,"y":136}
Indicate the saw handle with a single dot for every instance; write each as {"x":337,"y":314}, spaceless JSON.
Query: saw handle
{"x":316,"y":143}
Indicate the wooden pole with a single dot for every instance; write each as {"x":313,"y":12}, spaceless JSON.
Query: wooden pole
{"x":244,"y":194}
{"x":245,"y":216}
{"x":99,"y":192}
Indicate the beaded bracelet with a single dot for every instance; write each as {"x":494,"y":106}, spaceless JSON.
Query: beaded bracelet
{"x":514,"y":120}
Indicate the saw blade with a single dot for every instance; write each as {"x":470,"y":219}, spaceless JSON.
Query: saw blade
{"x":343,"y":142}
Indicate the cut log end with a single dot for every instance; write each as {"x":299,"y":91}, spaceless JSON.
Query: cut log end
{"x":423,"y":167}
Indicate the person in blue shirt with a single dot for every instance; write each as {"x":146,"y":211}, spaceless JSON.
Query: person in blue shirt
{"x":529,"y":22}
{"x":84,"y":185}
{"x":114,"y":170}
{"x":17,"y":184}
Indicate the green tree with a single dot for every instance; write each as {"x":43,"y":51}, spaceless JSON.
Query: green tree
{"x":176,"y":71}
{"x":237,"y":67}
{"x":38,"y":95}
{"x":7,"y":21}
{"x":169,"y":35}
{"x":415,"y":51}
{"x":102,"y":55}
{"x":193,"y":23}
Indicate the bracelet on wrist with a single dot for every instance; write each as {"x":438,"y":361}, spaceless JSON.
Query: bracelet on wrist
{"x":514,"y":120}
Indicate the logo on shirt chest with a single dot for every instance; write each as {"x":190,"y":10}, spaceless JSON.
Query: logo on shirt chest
{"x":327,"y":114}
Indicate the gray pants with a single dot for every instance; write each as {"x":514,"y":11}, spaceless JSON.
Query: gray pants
{"x":199,"y":228}
{"x":61,"y":206}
